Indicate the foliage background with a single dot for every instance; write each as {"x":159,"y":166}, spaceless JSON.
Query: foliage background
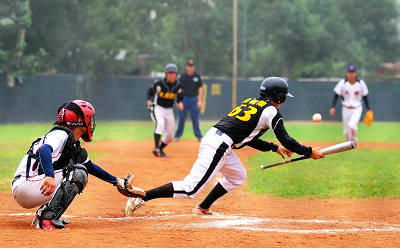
{"x":293,"y":38}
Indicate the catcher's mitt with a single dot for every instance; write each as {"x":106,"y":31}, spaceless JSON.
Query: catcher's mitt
{"x":124,"y":186}
{"x":369,"y":118}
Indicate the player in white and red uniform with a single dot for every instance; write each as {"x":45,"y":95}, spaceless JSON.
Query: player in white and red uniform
{"x":55,"y":168}
{"x":160,"y":101}
{"x":243,"y":126}
{"x":353,"y":92}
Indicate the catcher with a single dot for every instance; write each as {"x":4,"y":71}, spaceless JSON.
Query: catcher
{"x":353,"y":92}
{"x":55,"y":168}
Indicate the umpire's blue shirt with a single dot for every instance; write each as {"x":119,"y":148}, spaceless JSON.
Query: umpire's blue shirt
{"x":191,"y":84}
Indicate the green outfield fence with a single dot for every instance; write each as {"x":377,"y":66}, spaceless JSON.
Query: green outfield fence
{"x":123,"y":98}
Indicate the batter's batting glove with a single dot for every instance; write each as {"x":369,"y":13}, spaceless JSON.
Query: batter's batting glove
{"x":124,"y":186}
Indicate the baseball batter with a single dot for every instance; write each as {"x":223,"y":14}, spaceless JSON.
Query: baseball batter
{"x":160,"y":100}
{"x":243,"y":126}
{"x":55,"y":168}
{"x":353,"y":92}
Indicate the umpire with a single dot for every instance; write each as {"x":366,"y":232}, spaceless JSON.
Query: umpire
{"x":193,"y":92}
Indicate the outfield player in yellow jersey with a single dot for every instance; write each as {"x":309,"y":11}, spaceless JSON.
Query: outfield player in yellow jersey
{"x":160,"y":100}
{"x":353,"y":92}
{"x":243,"y":126}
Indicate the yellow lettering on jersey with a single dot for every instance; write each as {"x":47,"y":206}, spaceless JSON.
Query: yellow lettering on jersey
{"x":253,"y":102}
{"x":247,"y":114}
{"x":247,"y":100}
{"x":261,"y":103}
{"x":236,"y":110}
{"x":167,"y":95}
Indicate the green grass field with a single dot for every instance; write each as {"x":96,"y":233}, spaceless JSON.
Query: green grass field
{"x":362,"y":173}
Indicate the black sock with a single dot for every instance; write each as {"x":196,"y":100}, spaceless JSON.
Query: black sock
{"x":165,"y":191}
{"x":214,"y":195}
{"x":163,"y":145}
{"x":157,"y":138}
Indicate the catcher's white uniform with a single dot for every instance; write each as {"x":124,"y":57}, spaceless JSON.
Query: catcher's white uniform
{"x":26,"y":191}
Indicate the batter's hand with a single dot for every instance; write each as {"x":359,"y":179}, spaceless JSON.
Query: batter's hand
{"x":199,"y":104}
{"x":179,"y":105}
{"x":332,"y":111}
{"x":149,"y":102}
{"x":316,"y":153}
{"x":48,"y":186}
{"x":283,"y":151}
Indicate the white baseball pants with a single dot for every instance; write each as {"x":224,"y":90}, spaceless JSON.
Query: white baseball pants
{"x":27,"y":193}
{"x":215,"y":155}
{"x":164,"y":122}
{"x":350,"y":118}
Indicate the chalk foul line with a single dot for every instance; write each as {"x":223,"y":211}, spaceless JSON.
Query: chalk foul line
{"x":248,"y":223}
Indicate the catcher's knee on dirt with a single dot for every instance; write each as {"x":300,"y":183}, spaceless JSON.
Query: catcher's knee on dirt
{"x":73,"y":184}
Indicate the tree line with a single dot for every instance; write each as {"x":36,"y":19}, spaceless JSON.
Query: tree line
{"x":292,"y":38}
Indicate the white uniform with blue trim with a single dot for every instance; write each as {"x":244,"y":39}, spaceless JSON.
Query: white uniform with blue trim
{"x":351,"y":95}
{"x":26,"y":191}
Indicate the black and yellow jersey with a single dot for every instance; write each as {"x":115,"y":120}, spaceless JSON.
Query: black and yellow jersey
{"x":164,"y":93}
{"x":251,"y":119}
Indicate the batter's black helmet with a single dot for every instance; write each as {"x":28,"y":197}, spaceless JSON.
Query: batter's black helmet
{"x":171,"y":68}
{"x":275,"y":88}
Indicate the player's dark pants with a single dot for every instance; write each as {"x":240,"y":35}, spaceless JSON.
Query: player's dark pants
{"x":189,"y":104}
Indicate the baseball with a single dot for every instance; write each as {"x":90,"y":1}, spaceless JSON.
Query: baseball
{"x":316,"y":117}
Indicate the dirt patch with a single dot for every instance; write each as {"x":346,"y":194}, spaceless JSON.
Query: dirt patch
{"x":249,"y":220}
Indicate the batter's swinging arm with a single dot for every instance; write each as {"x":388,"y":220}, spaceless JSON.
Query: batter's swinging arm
{"x":342,"y":147}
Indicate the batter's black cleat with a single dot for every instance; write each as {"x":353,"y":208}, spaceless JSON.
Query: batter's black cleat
{"x":157,"y":152}
{"x":162,"y":154}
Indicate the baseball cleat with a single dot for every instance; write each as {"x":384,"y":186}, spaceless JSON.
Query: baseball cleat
{"x":162,"y":154}
{"x":199,"y":211}
{"x":157,"y":152}
{"x":132,"y":204}
{"x":49,"y":224}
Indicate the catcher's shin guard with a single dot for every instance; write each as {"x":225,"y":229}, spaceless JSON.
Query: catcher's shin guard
{"x":74,"y":182}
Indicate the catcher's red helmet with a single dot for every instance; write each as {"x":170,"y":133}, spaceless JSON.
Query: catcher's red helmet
{"x":68,"y":116}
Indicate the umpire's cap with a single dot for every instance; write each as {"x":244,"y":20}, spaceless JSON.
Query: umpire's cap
{"x":171,"y":68}
{"x":275,"y":88}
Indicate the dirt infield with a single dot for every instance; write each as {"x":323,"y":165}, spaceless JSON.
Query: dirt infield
{"x":249,"y":220}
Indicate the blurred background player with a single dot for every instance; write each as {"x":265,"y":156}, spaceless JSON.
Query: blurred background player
{"x":243,"y":126}
{"x":193,"y":92}
{"x":160,"y":100}
{"x":353,"y":91}
{"x":56,"y":168}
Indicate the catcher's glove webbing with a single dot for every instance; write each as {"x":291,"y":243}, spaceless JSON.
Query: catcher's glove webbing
{"x":124,"y":186}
